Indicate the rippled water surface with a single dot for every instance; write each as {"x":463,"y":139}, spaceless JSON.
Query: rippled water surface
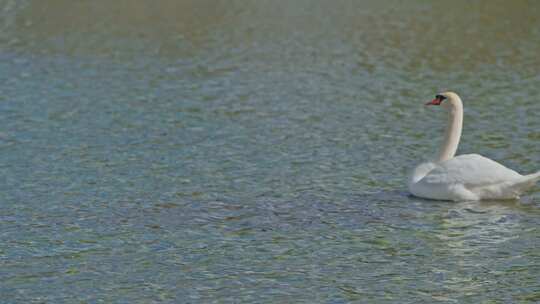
{"x":257,"y":151}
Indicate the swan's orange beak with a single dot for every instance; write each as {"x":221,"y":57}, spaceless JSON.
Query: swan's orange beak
{"x":434,"y":102}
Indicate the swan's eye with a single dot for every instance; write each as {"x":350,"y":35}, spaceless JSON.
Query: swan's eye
{"x":440,"y":97}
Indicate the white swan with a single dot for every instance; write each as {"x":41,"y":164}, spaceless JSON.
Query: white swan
{"x":465,"y":177}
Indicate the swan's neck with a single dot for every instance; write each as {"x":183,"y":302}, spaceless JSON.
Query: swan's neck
{"x":453,"y":130}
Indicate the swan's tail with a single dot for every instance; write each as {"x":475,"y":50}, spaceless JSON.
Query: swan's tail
{"x":533,"y":178}
{"x":525,"y":183}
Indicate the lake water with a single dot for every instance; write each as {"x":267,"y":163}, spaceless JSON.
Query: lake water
{"x":257,"y":151}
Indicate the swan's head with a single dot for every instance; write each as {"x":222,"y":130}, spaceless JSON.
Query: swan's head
{"x":445,"y":99}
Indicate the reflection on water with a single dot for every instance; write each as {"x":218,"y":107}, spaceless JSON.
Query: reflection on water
{"x":202,"y":151}
{"x":484,"y":224}
{"x":479,"y":237}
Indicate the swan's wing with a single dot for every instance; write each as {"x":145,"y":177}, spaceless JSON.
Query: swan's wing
{"x":471,"y":170}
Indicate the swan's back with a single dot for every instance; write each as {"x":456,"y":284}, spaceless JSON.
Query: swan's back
{"x":468,"y":177}
{"x":473,"y":170}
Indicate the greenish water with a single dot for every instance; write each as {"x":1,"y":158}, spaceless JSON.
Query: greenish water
{"x":257,"y":151}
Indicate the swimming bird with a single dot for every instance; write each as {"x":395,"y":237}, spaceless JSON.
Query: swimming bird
{"x":467,"y":177}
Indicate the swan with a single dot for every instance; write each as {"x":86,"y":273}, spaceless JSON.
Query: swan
{"x":469,"y":177}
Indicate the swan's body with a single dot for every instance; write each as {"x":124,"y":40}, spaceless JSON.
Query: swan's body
{"x":465,"y":177}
